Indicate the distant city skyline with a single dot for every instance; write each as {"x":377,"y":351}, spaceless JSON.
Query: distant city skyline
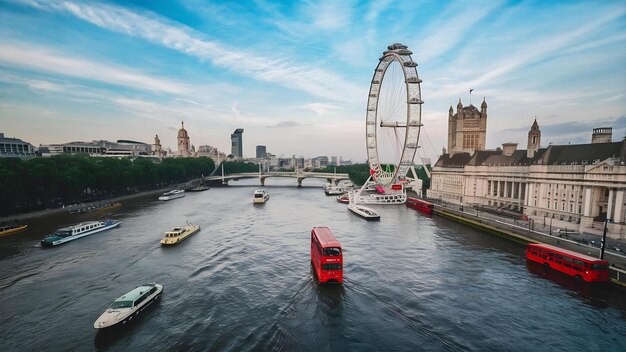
{"x":295,"y":76}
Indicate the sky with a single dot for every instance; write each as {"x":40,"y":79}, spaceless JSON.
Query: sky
{"x":295,"y":75}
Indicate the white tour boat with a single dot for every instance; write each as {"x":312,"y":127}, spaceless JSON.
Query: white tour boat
{"x":173,"y":194}
{"x":333,"y":190}
{"x":364,"y":212}
{"x":74,"y":232}
{"x":129,"y":306}
{"x":260,"y":196}
{"x":178,"y":234}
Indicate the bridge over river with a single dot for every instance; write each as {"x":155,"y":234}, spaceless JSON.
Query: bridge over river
{"x":299,"y":175}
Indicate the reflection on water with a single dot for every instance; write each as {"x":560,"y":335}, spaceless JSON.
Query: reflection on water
{"x":244,"y":282}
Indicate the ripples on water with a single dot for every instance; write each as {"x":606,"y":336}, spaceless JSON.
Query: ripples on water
{"x":244,"y":282}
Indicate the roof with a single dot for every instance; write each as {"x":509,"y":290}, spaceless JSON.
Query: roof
{"x":581,"y":153}
{"x":456,"y":160}
{"x":326,"y":237}
{"x":134,"y":294}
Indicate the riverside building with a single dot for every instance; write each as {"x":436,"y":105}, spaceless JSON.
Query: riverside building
{"x":15,"y":148}
{"x":574,"y":186}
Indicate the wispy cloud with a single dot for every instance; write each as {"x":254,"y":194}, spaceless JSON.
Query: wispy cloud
{"x":150,"y":27}
{"x":320,"y":108}
{"x":451,"y":27}
{"x":285,"y":124}
{"x":47,"y":60}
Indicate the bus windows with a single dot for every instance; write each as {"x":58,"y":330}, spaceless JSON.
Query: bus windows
{"x":333,"y":252}
{"x":331,"y":267}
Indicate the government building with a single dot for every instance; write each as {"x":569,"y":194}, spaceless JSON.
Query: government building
{"x":574,"y":186}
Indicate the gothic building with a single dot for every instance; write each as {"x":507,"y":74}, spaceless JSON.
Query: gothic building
{"x":467,"y":129}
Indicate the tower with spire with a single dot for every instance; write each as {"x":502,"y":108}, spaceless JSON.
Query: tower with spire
{"x":534,"y":140}
{"x":183,"y":141}
{"x":467,"y":129}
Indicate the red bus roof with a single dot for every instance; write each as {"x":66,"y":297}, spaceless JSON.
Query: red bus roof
{"x":567,"y":251}
{"x":326,"y":237}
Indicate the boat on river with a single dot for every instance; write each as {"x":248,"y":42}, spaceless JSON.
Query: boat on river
{"x":83,"y":208}
{"x":75,"y":232}
{"x":333,"y":190}
{"x":173,"y":194}
{"x":364,"y":212}
{"x":179,"y":234}
{"x":9,"y":230}
{"x":199,"y":188}
{"x":129,"y":306}
{"x":344,"y":198}
{"x":260,"y":196}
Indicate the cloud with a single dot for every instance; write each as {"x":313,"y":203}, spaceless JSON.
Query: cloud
{"x":45,"y":60}
{"x":285,"y":124}
{"x":320,"y":108}
{"x":307,"y":78}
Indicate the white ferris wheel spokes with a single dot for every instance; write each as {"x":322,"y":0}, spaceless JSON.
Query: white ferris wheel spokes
{"x":393,"y":118}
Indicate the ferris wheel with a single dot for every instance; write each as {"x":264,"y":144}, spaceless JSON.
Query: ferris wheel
{"x":394,"y":112}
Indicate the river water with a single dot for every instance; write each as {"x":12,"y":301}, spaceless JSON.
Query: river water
{"x":244,"y":282}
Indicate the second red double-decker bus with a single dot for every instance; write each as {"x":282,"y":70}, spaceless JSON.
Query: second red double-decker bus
{"x":569,"y":262}
{"x":326,"y":256}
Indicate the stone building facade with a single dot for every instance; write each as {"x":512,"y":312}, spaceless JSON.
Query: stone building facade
{"x":183,"y":142}
{"x":576,"y":186}
{"x":467,"y":128}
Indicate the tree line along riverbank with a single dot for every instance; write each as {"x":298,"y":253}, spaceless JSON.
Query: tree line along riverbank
{"x":29,"y":185}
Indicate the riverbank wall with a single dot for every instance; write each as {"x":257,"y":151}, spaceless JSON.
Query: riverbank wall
{"x":20,"y":218}
{"x":525,"y":236}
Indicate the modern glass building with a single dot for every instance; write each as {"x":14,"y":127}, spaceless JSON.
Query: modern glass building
{"x":237,"y":143}
{"x":261,"y":152}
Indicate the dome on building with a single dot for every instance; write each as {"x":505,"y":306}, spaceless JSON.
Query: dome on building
{"x":182,"y":133}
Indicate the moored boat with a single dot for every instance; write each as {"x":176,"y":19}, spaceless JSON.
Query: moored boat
{"x":179,"y":234}
{"x":260,"y":196}
{"x":199,"y":188}
{"x":173,"y":194}
{"x":364,"y":212}
{"x":9,"y":230}
{"x":129,"y":306}
{"x":344,"y":198}
{"x":74,"y":232}
{"x":421,"y":205}
{"x":333,"y":190}
{"x":83,"y":208}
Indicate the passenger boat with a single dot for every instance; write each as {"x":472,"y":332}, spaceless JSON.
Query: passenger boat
{"x":333,"y":190}
{"x":344,"y":198}
{"x":9,"y":230}
{"x":364,"y":212}
{"x":198,"y":188}
{"x":260,"y":196}
{"x":83,"y":208}
{"x":179,"y":234}
{"x":129,"y":306}
{"x":74,"y":232}
{"x":421,"y":205}
{"x":173,"y":194}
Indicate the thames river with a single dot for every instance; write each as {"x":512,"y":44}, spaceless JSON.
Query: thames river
{"x":244,"y":282}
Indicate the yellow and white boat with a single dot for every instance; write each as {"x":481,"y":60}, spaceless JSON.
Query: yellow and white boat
{"x":179,"y":234}
{"x":9,"y":230}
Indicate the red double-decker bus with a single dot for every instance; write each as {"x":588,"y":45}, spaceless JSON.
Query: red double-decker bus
{"x":581,"y":266}
{"x":326,"y":256}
